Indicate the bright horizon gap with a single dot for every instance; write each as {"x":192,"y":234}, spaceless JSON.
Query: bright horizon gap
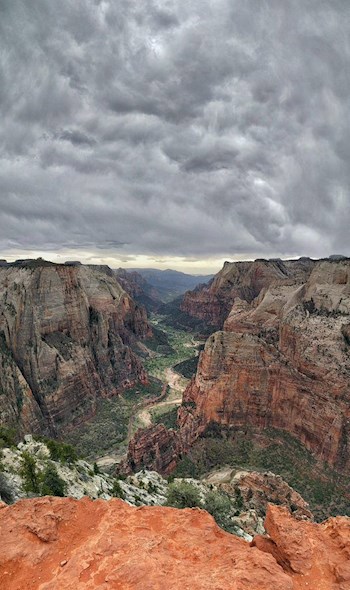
{"x":129,"y":262}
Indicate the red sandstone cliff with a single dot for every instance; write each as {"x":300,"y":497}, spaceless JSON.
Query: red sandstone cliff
{"x":212,"y":303}
{"x":282,"y":361}
{"x":65,"y":339}
{"x":61,"y":543}
{"x":155,"y":448}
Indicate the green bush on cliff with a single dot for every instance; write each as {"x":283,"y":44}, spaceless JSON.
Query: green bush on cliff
{"x":218,"y":504}
{"x":117,"y":490}
{"x":51,"y":483}
{"x":62,"y":452}
{"x":7,"y":437}
{"x":182,"y":494}
{"x":29,"y":474}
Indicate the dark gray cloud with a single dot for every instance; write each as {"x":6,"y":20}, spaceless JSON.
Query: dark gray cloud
{"x":197,"y":130}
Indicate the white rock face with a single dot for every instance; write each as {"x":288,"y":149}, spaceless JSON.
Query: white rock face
{"x":144,"y":488}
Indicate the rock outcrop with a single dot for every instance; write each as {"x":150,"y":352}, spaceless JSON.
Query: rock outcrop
{"x":258,"y":489}
{"x":211,"y":303}
{"x":153,"y":448}
{"x":282,"y":361}
{"x":67,"y":335}
{"x":53,"y":543}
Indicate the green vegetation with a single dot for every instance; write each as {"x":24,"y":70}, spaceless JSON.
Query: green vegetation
{"x":183,"y":494}
{"x":168,"y":418}
{"x":327,"y":493}
{"x":29,"y":473}
{"x":108,"y":430}
{"x":105,"y":431}
{"x":117,"y":490}
{"x":180,"y":343}
{"x":159,"y":342}
{"x":141,"y":392}
{"x":310,"y":307}
{"x":219,"y":505}
{"x":180,"y":320}
{"x":51,"y":483}
{"x":7,"y":437}
{"x":188,"y":367}
{"x":59,"y":451}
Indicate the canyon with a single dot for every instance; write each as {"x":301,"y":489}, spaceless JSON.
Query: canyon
{"x":281,"y":360}
{"x":68,"y":335}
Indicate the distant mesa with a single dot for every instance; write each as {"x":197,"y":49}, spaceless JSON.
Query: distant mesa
{"x":72,"y":263}
{"x":337,"y":257}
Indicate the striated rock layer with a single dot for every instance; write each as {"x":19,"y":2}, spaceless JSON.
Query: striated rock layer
{"x":259,"y":489}
{"x":61,"y":543}
{"x":155,"y":448}
{"x":282,"y":361}
{"x":66,"y":337}
{"x":244,"y":280}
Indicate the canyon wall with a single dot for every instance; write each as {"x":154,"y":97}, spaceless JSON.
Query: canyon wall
{"x":67,"y":335}
{"x":212,"y":303}
{"x":281,"y":361}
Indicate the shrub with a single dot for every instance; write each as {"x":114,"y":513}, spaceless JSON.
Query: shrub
{"x":239,"y":501}
{"x":183,"y":495}
{"x":117,"y":490}
{"x":7,"y":437}
{"x":61,"y":451}
{"x":185,"y":468}
{"x":169,"y":418}
{"x":51,"y":483}
{"x":29,"y":473}
{"x":152,"y":488}
{"x":219,"y":506}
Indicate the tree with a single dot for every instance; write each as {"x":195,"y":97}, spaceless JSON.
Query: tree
{"x":63,"y":452}
{"x":117,"y":490}
{"x":218,"y":504}
{"x":51,"y":483}
{"x":29,"y":473}
{"x":183,"y":494}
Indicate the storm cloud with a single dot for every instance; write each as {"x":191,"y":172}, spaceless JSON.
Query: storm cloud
{"x":175,"y":129}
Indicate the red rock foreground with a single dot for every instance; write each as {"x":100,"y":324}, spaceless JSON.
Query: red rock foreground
{"x":66,"y":544}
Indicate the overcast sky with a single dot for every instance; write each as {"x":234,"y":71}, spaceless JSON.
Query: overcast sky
{"x":174,"y":133}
